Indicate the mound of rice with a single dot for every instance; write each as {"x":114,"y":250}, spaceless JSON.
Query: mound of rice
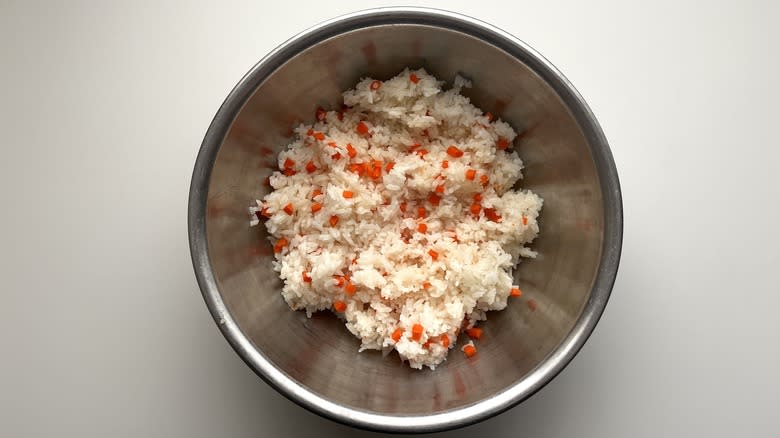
{"x":397,"y":213}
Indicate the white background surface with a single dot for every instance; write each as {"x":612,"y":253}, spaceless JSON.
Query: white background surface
{"x":103,"y":106}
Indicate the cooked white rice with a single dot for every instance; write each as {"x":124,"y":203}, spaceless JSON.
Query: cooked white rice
{"x":398,"y":282}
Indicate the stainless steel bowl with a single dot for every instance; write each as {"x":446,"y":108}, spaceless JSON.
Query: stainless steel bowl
{"x":315,"y":362}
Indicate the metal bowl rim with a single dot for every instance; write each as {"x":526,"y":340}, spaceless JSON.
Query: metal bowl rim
{"x":485,"y":408}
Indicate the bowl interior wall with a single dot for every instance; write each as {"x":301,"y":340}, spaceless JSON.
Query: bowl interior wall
{"x":319,"y":352}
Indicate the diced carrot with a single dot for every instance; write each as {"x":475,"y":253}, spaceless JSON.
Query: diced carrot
{"x":471,"y":174}
{"x":349,"y":288}
{"x":417,"y":331}
{"x":421,"y":212}
{"x":316,"y":192}
{"x":434,"y":199}
{"x":306,"y":277}
{"x":445,"y":164}
{"x":484,"y":180}
{"x":389,"y":167}
{"x":454,"y":152}
{"x":426,"y":284}
{"x":475,"y":208}
{"x":402,"y":207}
{"x":351,"y":150}
{"x":264,"y":212}
{"x":321,"y":114}
{"x":310,"y":167}
{"x":319,"y":136}
{"x":525,"y":220}
{"x":280,"y":244}
{"x":362,"y":128}
{"x":474,"y":332}
{"x":440,"y":188}
{"x":334,"y":220}
{"x":316,"y":207}
{"x":289,"y":172}
{"x":469,"y":350}
{"x":348,"y":194}
{"x":288,"y":209}
{"x":445,"y":340}
{"x":413,"y":77}
{"x":491,"y":214}
{"x":434,"y":255}
{"x":396,"y":336}
{"x":288,"y":163}
{"x":375,"y":85}
{"x":422,"y":227}
{"x":336,"y":156}
{"x":339,"y":306}
{"x":478,"y":197}
{"x":515,"y":292}
{"x":502,"y":143}
{"x":361,"y":168}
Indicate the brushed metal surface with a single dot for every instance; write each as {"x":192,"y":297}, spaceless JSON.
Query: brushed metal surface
{"x":315,"y":362}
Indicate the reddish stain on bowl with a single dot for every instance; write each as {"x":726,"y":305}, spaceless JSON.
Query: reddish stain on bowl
{"x":416,"y":48}
{"x":265,"y":151}
{"x":500,"y":106}
{"x":259,"y":250}
{"x":369,"y":52}
{"x":526,"y":131}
